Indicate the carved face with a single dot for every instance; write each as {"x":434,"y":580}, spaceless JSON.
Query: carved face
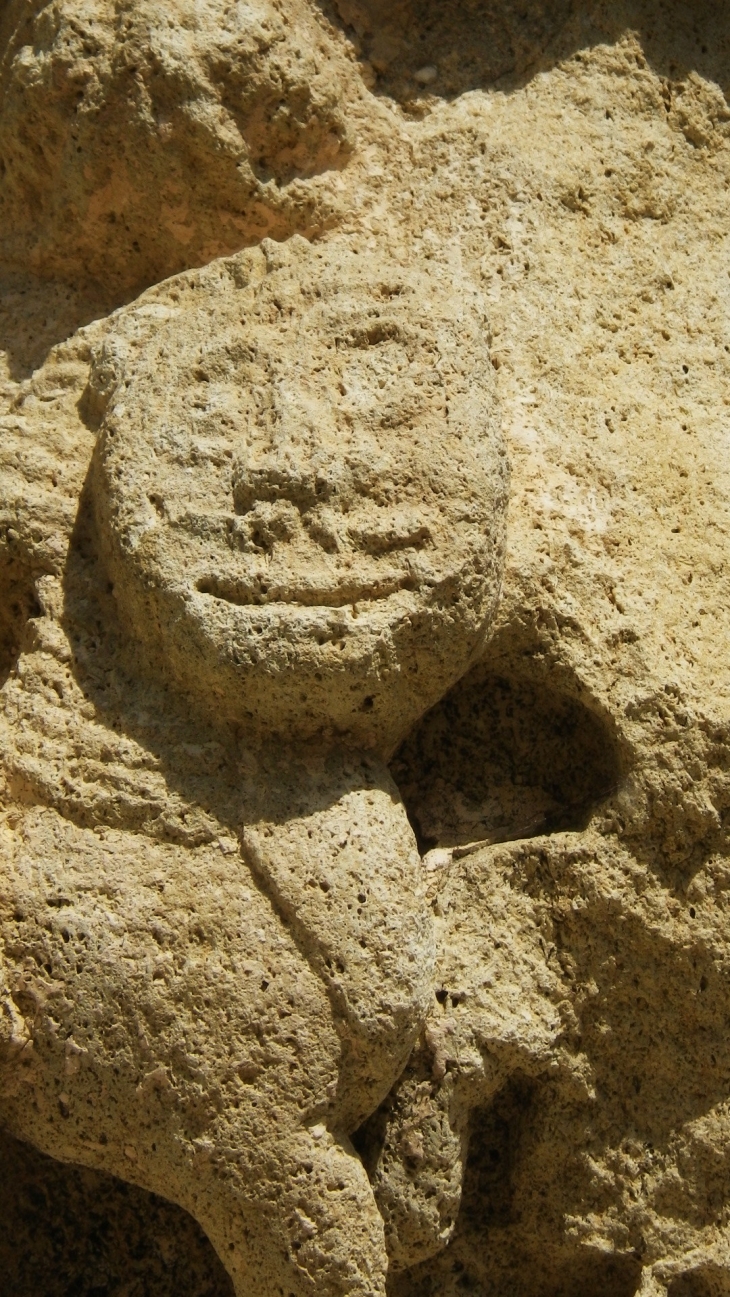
{"x":301,"y":490}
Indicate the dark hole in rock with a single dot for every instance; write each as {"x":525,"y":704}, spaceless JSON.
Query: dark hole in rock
{"x":504,"y":756}
{"x":17,"y":603}
{"x":71,"y":1232}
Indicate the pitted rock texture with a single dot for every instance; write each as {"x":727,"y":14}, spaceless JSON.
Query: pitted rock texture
{"x":180,"y":1014}
{"x":311,"y":843}
{"x":138,"y":139}
{"x":561,"y":1124}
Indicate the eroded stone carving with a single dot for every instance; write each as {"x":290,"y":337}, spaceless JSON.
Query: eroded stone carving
{"x":304,"y":516}
{"x":560,"y":1125}
{"x":298,"y":534}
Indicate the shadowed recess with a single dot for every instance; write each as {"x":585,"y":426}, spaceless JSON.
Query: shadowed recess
{"x":17,"y":604}
{"x":504,"y":757}
{"x":420,"y":51}
{"x":703,"y":1281}
{"x":492,"y":1255}
{"x":71,"y":1232}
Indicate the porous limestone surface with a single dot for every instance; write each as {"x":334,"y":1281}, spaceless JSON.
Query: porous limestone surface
{"x":277,"y":590}
{"x":138,"y":138}
{"x":459,"y":1025}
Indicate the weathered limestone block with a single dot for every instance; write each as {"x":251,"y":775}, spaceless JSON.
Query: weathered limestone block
{"x":150,"y":1059}
{"x":605,"y":680}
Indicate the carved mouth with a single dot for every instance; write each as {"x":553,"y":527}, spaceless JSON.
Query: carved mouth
{"x":258,"y":593}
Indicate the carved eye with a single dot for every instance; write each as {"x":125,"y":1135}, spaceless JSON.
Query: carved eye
{"x":386,"y":531}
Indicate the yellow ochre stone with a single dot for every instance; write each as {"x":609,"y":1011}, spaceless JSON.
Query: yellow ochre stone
{"x":364,"y":648}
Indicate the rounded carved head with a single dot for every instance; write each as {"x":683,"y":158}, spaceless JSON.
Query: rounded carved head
{"x":301,"y":487}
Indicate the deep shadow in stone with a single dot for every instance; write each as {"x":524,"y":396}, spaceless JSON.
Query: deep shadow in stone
{"x":507,"y":754}
{"x":17,"y":604}
{"x":602,"y":1274}
{"x":489,"y":1204}
{"x":589,"y":1273}
{"x":71,"y":1232}
{"x":494,"y":1139}
{"x":423,"y":51}
{"x":500,"y":1257}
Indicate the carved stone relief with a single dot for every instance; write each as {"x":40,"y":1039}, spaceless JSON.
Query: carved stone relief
{"x":363,"y":838}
